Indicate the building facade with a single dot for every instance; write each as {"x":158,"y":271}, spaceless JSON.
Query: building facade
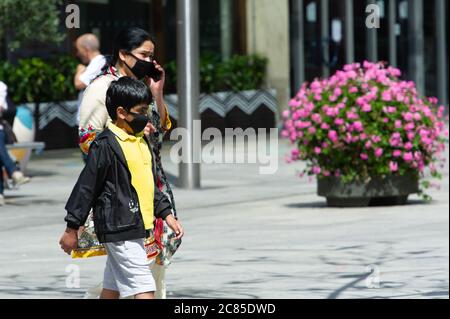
{"x":302,"y":39}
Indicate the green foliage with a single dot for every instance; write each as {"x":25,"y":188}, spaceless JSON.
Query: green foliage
{"x":29,"y":20}
{"x":244,"y":72}
{"x":239,"y":73}
{"x":37,"y":80}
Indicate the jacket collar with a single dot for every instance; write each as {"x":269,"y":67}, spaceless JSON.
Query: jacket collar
{"x":114,"y":144}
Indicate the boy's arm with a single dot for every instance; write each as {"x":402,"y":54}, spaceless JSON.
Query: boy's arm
{"x":162,"y":205}
{"x":87,"y":188}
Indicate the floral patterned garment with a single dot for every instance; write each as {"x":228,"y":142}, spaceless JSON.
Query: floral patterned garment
{"x":156,"y":140}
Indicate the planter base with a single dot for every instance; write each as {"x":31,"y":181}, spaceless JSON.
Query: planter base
{"x":390,"y":191}
{"x":367,"y":202}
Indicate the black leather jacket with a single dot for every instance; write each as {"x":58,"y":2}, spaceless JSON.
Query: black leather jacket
{"x":105,"y":185}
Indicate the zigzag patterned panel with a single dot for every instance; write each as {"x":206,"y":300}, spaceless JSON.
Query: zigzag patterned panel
{"x":221,"y":103}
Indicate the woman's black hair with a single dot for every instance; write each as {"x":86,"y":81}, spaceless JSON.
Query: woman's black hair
{"x":127,"y":93}
{"x":127,"y":40}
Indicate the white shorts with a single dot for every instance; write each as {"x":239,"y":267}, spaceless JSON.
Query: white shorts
{"x":127,"y":269}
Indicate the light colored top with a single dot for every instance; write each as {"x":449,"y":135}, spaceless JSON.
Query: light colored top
{"x":93,"y":112}
{"x":3,"y":94}
{"x":139,"y":161}
{"x":93,"y":69}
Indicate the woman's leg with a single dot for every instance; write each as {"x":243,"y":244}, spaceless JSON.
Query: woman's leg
{"x":9,"y":165}
{"x":2,"y":185}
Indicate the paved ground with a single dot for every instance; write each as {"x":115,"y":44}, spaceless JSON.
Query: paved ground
{"x":247,"y":236}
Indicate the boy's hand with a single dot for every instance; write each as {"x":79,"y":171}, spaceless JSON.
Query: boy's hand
{"x":175,"y":226}
{"x":69,"y":240}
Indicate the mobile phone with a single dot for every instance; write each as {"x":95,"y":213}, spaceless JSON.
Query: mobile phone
{"x":154,"y":73}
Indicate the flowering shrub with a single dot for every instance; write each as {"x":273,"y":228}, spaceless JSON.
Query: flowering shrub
{"x":364,"y":122}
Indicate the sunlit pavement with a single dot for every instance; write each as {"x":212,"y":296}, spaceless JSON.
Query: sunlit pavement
{"x":247,"y":236}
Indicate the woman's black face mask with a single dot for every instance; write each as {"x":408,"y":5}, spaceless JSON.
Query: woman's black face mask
{"x":142,"y":68}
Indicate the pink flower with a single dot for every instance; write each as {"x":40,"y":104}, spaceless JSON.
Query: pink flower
{"x":316,"y":170}
{"x":295,"y":153}
{"x":397,"y":153}
{"x":316,"y":118}
{"x":333,"y":98}
{"x":286,"y":114}
{"x":368,"y":145}
{"x":386,"y":96}
{"x":353,"y":89}
{"x":333,"y":136}
{"x":317,"y":150}
{"x":410,"y":127}
{"x":428,"y":141}
{"x":389,"y":109}
{"x":312,"y":130}
{"x":358,"y":126}
{"x":339,"y":122}
{"x":408,"y":146}
{"x":418,"y":156}
{"x":408,"y":117}
{"x":364,"y":157}
{"x":367,"y":108}
{"x":398,"y":124}
{"x":379,"y":152}
{"x":325,"y":126}
{"x":408,"y":157}
{"x":393,"y":166}
{"x":295,"y":103}
{"x":352,"y":116}
{"x":376,"y":139}
{"x":303,"y":125}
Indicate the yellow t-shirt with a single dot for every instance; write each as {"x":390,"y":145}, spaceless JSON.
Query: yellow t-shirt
{"x":139,"y":160}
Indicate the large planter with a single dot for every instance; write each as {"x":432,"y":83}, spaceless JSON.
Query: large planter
{"x":393,"y":190}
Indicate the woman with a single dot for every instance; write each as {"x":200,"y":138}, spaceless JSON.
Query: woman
{"x":5,"y":160}
{"x":133,"y":50}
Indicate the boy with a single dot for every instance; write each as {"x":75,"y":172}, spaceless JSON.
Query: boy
{"x":118,"y":183}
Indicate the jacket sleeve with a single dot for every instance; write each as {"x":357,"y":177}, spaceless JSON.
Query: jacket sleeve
{"x":87,"y":188}
{"x":163,"y":207}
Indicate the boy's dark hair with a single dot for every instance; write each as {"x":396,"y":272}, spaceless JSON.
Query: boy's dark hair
{"x":127,"y":93}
